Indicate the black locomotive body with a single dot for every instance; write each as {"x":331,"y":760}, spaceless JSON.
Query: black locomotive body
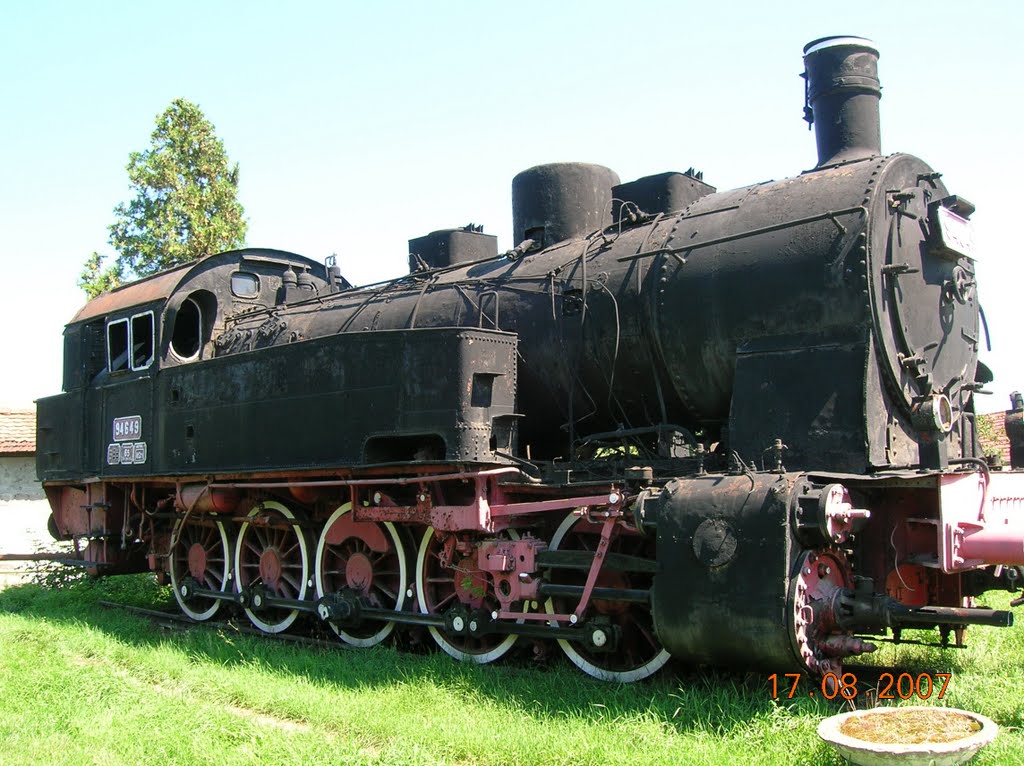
{"x":730,"y":427}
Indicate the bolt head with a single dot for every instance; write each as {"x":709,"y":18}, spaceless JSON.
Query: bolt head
{"x":183,"y":590}
{"x":613,"y":498}
{"x":573,"y":619}
{"x":599,"y":637}
{"x":458,"y":623}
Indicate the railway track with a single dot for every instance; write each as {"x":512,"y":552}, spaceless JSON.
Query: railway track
{"x":182,"y":622}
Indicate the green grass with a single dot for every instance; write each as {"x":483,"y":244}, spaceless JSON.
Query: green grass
{"x":80,"y":684}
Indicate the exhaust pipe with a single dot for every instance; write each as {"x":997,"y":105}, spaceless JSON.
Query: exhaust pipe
{"x":841,"y":98}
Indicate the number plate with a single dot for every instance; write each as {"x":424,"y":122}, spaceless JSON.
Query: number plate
{"x":128,"y":428}
{"x":956,"y":232}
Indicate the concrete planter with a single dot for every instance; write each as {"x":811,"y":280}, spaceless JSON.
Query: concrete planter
{"x":861,"y":752}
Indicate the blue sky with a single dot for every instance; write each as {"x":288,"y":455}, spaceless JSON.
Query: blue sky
{"x":360,"y":125}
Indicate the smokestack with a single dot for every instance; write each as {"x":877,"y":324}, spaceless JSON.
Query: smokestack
{"x":842,"y":98}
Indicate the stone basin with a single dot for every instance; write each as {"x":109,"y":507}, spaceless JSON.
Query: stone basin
{"x":861,"y":752}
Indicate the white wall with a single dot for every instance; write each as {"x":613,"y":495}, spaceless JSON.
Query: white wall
{"x":18,"y":479}
{"x":22,"y":530}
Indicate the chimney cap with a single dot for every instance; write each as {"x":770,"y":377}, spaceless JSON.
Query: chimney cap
{"x":836,"y":41}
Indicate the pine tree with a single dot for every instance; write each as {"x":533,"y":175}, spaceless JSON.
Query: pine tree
{"x":184,"y":207}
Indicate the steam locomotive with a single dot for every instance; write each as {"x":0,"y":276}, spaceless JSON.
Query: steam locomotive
{"x":730,"y":427}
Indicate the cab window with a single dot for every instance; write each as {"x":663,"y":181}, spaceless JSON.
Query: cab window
{"x":245,"y":285}
{"x":142,"y":340}
{"x":130,"y":343}
{"x":117,"y":345}
{"x":186,"y":337}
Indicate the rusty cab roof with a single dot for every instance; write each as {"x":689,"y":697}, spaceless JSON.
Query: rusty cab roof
{"x":160,"y":286}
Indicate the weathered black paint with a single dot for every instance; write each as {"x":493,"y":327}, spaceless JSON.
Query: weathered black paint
{"x":792,"y":325}
{"x":659,"y":321}
{"x":661,"y":193}
{"x":842,"y":98}
{"x":560,"y":201}
{"x":725,"y":610}
{"x":351,"y":399}
{"x":449,"y":247}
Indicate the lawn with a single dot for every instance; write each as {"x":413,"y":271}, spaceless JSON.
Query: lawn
{"x":81,"y":684}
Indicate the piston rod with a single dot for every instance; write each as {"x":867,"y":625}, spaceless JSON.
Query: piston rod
{"x":928,"y":616}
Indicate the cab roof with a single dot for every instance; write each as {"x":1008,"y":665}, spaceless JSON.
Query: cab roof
{"x":160,"y":286}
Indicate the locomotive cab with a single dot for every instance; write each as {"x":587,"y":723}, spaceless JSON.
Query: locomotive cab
{"x":105,"y":424}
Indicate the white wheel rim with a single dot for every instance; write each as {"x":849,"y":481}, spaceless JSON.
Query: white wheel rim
{"x":176,"y":580}
{"x":649,"y":668}
{"x":321,"y":588}
{"x":480,"y":658}
{"x":275,"y":627}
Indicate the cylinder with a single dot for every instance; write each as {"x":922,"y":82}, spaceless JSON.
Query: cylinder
{"x":842,"y":95}
{"x":563,"y":200}
{"x":726,"y":540}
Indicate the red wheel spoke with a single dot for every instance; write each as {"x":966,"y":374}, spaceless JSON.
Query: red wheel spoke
{"x":444,"y":602}
{"x":392,"y":596}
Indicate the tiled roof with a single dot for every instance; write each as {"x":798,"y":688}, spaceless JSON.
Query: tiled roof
{"x":17,"y":432}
